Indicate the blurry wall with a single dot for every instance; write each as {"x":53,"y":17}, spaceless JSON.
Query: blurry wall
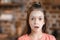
{"x":18,"y":10}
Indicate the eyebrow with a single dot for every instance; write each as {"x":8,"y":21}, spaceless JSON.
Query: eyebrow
{"x":40,"y":16}
{"x":33,"y":16}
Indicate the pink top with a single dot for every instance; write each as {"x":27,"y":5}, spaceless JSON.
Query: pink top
{"x":44,"y":37}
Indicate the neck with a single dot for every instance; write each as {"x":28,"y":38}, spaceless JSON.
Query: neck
{"x":35,"y":35}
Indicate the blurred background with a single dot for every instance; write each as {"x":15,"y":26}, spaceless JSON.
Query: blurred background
{"x":13,"y":17}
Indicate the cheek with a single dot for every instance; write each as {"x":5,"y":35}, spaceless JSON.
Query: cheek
{"x":31,"y":24}
{"x":41,"y":23}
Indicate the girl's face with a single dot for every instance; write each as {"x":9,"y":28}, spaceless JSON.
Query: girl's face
{"x":36,"y":20}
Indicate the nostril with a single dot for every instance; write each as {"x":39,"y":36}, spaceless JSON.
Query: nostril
{"x":35,"y":22}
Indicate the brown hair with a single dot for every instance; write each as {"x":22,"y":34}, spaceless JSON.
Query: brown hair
{"x":35,"y":6}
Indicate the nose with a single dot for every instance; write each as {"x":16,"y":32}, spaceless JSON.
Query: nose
{"x":36,"y":22}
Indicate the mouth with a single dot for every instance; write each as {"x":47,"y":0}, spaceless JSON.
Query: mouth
{"x":36,"y":26}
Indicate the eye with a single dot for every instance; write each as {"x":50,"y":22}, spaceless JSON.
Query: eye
{"x":32,"y":18}
{"x":40,"y":18}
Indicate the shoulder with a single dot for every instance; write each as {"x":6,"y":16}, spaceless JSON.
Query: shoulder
{"x":24,"y":37}
{"x":49,"y":37}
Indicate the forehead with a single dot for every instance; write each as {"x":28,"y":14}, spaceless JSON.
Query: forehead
{"x":37,"y":13}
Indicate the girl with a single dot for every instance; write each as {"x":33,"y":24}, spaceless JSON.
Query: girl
{"x":36,"y":22}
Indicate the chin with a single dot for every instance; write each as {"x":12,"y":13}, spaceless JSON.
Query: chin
{"x":36,"y":30}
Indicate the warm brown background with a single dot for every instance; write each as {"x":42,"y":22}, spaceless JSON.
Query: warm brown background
{"x":18,"y":8}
